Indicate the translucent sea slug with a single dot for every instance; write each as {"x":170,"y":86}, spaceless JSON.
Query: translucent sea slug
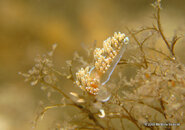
{"x":92,"y":77}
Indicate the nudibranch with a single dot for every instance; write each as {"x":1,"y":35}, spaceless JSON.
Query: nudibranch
{"x":92,"y":77}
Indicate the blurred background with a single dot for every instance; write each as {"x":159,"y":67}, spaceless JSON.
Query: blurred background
{"x":30,"y":27}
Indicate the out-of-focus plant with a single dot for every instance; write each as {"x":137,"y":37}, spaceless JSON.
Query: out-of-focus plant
{"x":155,"y":94}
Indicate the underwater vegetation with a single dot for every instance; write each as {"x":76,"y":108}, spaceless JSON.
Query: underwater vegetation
{"x":108,"y":99}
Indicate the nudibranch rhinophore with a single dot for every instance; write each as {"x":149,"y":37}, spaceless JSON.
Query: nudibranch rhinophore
{"x":106,"y":59}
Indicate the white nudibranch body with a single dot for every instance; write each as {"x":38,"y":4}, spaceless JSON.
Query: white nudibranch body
{"x":106,"y":60}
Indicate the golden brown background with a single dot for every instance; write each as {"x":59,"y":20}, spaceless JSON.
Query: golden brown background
{"x":30,"y":27}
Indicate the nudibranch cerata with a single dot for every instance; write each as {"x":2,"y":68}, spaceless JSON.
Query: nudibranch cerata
{"x":93,"y":78}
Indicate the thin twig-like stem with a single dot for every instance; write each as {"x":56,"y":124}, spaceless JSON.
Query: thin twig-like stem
{"x":124,"y":117}
{"x":163,"y":107}
{"x":56,"y":89}
{"x":126,"y":62}
{"x":155,"y":108}
{"x":46,"y":109}
{"x":71,"y":72}
{"x":146,"y":39}
{"x":160,"y":52}
{"x":122,"y":126}
{"x":174,"y":42}
{"x":90,"y":114}
{"x":141,"y":48}
{"x":160,"y":27}
{"x":145,"y":29}
{"x":130,"y":117}
{"x":169,"y":45}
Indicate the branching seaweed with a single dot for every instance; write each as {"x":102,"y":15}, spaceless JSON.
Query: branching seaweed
{"x":155,"y":94}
